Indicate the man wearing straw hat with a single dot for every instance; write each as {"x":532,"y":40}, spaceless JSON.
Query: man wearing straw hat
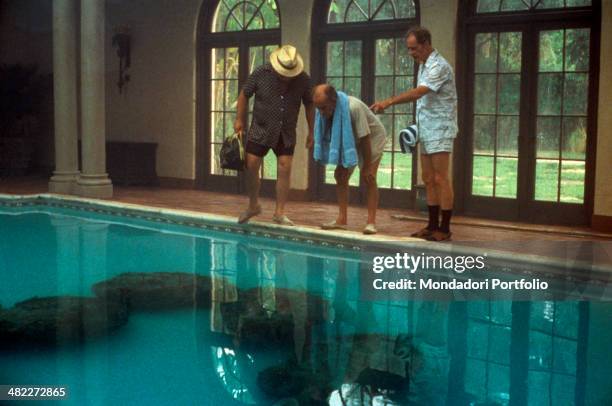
{"x":279,"y":86}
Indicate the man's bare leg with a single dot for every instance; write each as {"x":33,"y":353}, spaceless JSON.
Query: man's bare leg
{"x":372,"y":192}
{"x":444,"y":190}
{"x":253,"y":163}
{"x":342,"y":176}
{"x":283,"y":182}
{"x":428,"y":175}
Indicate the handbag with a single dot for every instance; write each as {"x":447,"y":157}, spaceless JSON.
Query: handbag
{"x":231,"y":155}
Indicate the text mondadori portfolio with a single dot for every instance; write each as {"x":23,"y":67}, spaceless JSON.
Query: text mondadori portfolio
{"x":404,"y":263}
{"x":456,"y":284}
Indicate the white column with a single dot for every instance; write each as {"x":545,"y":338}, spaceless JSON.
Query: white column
{"x":94,"y":181}
{"x":603,"y":174}
{"x":65,"y":97}
{"x":298,"y":14}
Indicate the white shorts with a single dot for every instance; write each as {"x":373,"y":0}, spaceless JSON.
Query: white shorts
{"x":435,"y":146}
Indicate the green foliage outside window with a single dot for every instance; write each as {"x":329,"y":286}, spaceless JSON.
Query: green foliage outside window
{"x":561,"y":126}
{"x":352,"y":11}
{"x":239,"y":15}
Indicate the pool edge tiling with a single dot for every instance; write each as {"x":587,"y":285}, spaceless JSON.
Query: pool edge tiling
{"x":301,"y":234}
{"x":215,"y":222}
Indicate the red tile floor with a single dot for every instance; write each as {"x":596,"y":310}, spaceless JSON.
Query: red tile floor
{"x":518,"y":237}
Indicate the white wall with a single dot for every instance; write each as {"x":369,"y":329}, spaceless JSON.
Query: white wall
{"x":158,"y":104}
{"x":440,"y":18}
{"x":295,"y":30}
{"x":603,"y":172}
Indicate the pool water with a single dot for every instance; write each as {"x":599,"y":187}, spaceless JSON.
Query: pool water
{"x":281,"y":323}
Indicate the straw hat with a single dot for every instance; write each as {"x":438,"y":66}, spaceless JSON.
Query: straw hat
{"x":286,"y":61}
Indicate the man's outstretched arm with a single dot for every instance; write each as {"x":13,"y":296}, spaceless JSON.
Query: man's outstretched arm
{"x":406,"y":97}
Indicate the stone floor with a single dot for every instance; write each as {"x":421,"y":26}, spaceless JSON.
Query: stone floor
{"x":518,"y":237}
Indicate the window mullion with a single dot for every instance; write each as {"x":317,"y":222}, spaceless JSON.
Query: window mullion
{"x":367,"y":70}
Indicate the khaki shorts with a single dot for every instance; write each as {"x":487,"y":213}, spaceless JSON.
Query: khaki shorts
{"x":374,"y":159}
{"x":435,"y":146}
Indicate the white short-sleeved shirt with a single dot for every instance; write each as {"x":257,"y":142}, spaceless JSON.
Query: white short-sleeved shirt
{"x":436,"y":112}
{"x":365,"y":122}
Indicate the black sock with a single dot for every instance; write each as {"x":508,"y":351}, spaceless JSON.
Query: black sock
{"x":433,"y":217}
{"x":446,"y":217}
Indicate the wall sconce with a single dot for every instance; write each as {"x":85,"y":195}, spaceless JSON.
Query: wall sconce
{"x":121,"y":40}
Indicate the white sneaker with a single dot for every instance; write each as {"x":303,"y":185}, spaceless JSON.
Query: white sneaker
{"x":370,"y":229}
{"x":332,"y":225}
{"x":283,"y":220}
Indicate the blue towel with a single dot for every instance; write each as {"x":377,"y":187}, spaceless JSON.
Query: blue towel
{"x":335,"y":146}
{"x":408,"y":138}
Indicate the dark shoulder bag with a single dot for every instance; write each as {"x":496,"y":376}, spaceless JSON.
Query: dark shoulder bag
{"x":231,"y":155}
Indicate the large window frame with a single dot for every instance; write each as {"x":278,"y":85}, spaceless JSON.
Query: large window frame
{"x":530,"y":23}
{"x":368,"y":32}
{"x":207,"y":40}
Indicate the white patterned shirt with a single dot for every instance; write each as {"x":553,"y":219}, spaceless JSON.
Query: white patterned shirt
{"x":436,"y":111}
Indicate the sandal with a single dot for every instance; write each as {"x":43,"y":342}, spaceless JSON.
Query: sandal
{"x":332,"y":225}
{"x":282,"y":220}
{"x":247,"y":214}
{"x":439,"y":236}
{"x":422,"y":233}
{"x":370,"y":229}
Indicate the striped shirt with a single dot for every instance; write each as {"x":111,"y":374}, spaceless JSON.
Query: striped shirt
{"x":437,"y":111}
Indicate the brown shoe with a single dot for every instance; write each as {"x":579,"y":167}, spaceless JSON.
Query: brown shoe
{"x":439,"y":236}
{"x":422,"y":233}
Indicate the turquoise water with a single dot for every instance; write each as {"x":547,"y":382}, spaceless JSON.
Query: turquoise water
{"x":285,"y":323}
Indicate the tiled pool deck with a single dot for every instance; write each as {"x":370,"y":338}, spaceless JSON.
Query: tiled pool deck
{"x":514,"y":237}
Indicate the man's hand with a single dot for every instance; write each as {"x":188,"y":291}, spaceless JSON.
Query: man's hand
{"x":309,"y":141}
{"x":238,"y":127}
{"x":380,"y":106}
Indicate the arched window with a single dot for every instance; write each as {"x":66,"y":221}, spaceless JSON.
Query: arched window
{"x":237,"y":36}
{"x":235,"y":15}
{"x":351,"y":11}
{"x":361,"y":50}
{"x":491,"y":6}
{"x":528,"y":118}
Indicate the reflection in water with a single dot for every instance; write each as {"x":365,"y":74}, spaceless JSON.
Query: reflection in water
{"x":277,"y":325}
{"x":329,"y":347}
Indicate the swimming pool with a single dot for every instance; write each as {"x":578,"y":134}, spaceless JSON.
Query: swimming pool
{"x":181,"y":310}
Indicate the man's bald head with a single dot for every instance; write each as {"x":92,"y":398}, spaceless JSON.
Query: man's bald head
{"x":324,"y":97}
